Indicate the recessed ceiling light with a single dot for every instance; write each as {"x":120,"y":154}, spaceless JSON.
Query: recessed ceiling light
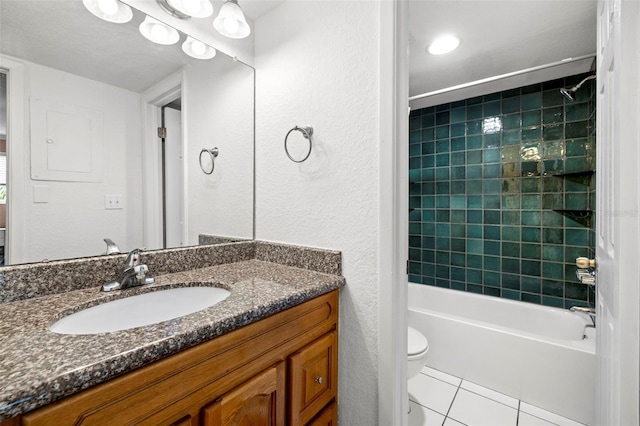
{"x":443,"y":44}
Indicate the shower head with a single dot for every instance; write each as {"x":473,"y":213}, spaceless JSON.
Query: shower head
{"x":571,"y":93}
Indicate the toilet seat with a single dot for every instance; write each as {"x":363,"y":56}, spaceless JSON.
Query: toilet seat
{"x":417,"y":344}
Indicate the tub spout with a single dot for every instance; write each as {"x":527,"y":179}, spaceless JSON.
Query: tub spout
{"x":589,"y":311}
{"x":586,"y":276}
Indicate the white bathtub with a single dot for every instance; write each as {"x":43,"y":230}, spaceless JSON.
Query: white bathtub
{"x":533,"y":353}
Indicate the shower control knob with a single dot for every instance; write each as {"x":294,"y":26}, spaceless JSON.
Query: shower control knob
{"x":585,"y":262}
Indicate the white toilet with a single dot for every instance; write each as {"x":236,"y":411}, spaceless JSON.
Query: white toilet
{"x":417,"y":348}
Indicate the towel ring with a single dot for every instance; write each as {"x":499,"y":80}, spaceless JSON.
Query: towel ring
{"x":213,"y":153}
{"x":306,"y":131}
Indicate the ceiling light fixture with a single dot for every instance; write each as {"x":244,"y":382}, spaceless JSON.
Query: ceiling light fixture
{"x":443,"y":44}
{"x":184,"y":9}
{"x":109,"y":10}
{"x":157,"y":32}
{"x":231,"y":22}
{"x":197,"y":49}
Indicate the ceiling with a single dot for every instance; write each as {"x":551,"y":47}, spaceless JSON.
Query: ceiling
{"x":63,"y":35}
{"x":498,"y":37}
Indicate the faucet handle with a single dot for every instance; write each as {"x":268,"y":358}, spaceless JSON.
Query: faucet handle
{"x":141,"y":270}
{"x":133,"y":259}
{"x":141,"y":274}
{"x":586,"y":276}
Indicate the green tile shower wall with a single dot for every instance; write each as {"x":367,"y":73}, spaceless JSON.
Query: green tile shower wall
{"x":502,"y":193}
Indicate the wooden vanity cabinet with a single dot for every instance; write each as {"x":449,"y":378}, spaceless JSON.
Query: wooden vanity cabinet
{"x":327,"y":417}
{"x":313,"y":372}
{"x":281,"y":370}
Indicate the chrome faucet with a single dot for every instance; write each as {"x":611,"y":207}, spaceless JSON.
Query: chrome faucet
{"x":586,"y":272}
{"x":111,"y":246}
{"x":134,"y":274}
{"x":586,"y":276}
{"x":589,"y":311}
{"x":133,"y":259}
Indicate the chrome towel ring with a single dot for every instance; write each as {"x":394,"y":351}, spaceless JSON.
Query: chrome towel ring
{"x":306,"y":131}
{"x":213,"y":153}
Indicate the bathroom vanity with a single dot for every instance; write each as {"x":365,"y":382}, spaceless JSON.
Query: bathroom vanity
{"x":268,"y":354}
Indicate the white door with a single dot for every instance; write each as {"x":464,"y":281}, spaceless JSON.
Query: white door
{"x":617,"y":212}
{"x":173,"y":174}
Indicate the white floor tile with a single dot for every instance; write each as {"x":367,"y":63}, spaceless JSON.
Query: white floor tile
{"x":475,"y":410}
{"x":431,"y":393}
{"x":525,"y":419}
{"x":455,"y":381}
{"x":546,"y":415}
{"x":491,"y":394}
{"x":422,"y":416}
{"x":450,"y":422}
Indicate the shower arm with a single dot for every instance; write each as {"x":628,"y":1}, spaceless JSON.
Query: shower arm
{"x":577,"y":86}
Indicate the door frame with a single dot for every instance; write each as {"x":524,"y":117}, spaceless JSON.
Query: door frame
{"x":393,"y":220}
{"x":153,"y":99}
{"x":17,"y":158}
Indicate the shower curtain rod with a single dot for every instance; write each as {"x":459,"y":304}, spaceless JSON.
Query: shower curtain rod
{"x":501,"y":76}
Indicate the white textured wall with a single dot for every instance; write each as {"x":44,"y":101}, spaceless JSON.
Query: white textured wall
{"x":74,"y":221}
{"x":218,"y":102}
{"x":317,"y":64}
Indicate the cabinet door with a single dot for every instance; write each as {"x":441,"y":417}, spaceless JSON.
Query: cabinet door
{"x":328,"y":416}
{"x":258,"y":402}
{"x":187,"y":420}
{"x":313,"y":378}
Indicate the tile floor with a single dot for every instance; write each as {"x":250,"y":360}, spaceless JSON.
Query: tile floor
{"x":437,"y":398}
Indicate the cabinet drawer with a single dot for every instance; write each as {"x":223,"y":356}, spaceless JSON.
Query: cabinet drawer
{"x":313,"y":378}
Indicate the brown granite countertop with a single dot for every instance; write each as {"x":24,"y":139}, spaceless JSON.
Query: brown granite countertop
{"x":38,"y":366}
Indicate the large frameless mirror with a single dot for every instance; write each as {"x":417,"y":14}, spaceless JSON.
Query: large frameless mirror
{"x":87,"y":161}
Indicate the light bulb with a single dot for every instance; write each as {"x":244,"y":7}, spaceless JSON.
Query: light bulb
{"x":159,"y":32}
{"x":443,"y":44}
{"x":198,"y":47}
{"x":109,"y":10}
{"x":195,"y":8}
{"x":231,"y":25}
{"x":192,"y":7}
{"x":231,"y":22}
{"x":108,"y":7}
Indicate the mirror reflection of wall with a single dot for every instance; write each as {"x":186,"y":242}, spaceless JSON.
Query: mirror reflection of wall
{"x":217,"y":204}
{"x":75,"y":195}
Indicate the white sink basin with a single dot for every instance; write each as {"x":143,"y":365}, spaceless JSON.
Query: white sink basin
{"x":140,"y":310}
